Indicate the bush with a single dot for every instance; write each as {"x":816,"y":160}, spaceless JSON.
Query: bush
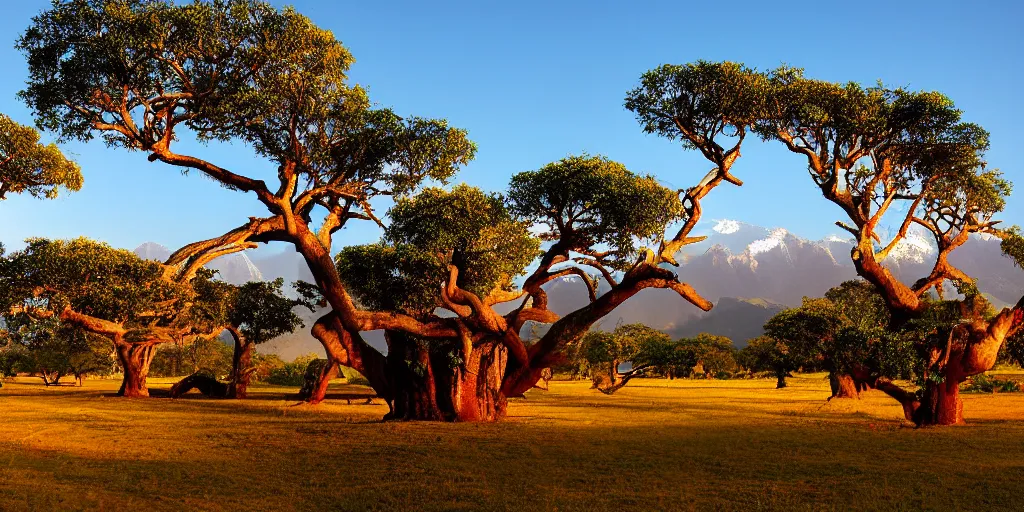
{"x":264,"y":365}
{"x":354,"y":377}
{"x":291,"y":374}
{"x":985,"y":384}
{"x":210,"y":357}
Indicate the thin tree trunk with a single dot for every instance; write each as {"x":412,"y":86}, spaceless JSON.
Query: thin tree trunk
{"x":241,"y":361}
{"x":780,"y":380}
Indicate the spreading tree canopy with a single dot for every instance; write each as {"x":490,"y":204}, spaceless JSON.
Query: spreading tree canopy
{"x":137,"y":304}
{"x":30,"y":167}
{"x":905,"y":158}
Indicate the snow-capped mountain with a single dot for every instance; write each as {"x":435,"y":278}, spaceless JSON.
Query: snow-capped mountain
{"x":774,"y":268}
{"x":774,"y":265}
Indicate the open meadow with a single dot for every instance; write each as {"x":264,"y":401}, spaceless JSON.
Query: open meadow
{"x":656,"y":444}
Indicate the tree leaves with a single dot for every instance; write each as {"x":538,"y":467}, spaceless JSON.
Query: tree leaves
{"x":27,"y":166}
{"x":590,"y":201}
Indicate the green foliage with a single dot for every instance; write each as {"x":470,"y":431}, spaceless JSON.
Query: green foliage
{"x":860,"y":303}
{"x":845,"y":331}
{"x":715,"y":354}
{"x":809,"y":332}
{"x":1012,"y":245}
{"x":637,"y":344}
{"x":224,"y":59}
{"x":766,"y":354}
{"x":696,"y":102}
{"x":91,"y":277}
{"x":262,"y":312}
{"x":983,"y":383}
{"x":353,"y":377}
{"x":291,"y":374}
{"x":239,"y":69}
{"x":589,"y":201}
{"x":263,"y":365}
{"x":1013,"y":349}
{"x":208,"y":356}
{"x":53,"y":350}
{"x":463,"y":227}
{"x":652,"y":350}
{"x":27,"y":166}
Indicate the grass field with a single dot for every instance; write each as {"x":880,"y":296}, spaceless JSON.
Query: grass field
{"x":657,"y":444}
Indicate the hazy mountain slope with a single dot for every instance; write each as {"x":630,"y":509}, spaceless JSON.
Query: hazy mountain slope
{"x":737,"y":319}
{"x":737,"y":260}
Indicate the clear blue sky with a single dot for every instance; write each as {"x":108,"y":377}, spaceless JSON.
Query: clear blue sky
{"x":535,"y":81}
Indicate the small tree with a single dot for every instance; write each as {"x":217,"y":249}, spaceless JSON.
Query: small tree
{"x":846,"y":334}
{"x":767,"y":354}
{"x":52,"y":350}
{"x":644,"y":348}
{"x":259,"y":312}
{"x":134,"y":303}
{"x":29,"y":167}
{"x":710,"y":353}
{"x":809,"y":334}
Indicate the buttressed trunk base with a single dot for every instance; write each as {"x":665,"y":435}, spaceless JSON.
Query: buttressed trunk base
{"x":135,"y":360}
{"x":843,"y":386}
{"x":428,"y":388}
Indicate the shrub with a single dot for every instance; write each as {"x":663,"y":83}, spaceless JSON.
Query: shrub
{"x":291,"y":374}
{"x":985,"y":384}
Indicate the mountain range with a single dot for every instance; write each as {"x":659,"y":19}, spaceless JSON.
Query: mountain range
{"x":749,"y":272}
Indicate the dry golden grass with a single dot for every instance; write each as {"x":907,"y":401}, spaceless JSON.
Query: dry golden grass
{"x":656,"y":444}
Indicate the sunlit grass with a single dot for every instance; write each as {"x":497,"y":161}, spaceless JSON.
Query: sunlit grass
{"x":656,"y":444}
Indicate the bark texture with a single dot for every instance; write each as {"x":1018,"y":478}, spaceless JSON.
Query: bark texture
{"x":135,"y":359}
{"x":427,"y":387}
{"x":241,"y":365}
{"x":843,"y":386}
{"x":318,"y":376}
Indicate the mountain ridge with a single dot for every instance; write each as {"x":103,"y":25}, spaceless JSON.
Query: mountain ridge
{"x":736,"y":260}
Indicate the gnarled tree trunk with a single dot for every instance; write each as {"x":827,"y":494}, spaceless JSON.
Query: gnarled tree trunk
{"x":134,"y":359}
{"x":318,"y":376}
{"x":241,"y":361}
{"x":427,"y":387}
{"x":940,"y":404}
{"x":843,"y":386}
{"x":206,"y":385}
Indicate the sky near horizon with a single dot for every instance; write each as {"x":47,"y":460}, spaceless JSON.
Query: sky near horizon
{"x":536,"y":81}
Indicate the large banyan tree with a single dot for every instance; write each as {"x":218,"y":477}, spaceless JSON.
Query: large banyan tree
{"x":454,"y":256}
{"x":906,"y":159}
{"x":142,"y":74}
